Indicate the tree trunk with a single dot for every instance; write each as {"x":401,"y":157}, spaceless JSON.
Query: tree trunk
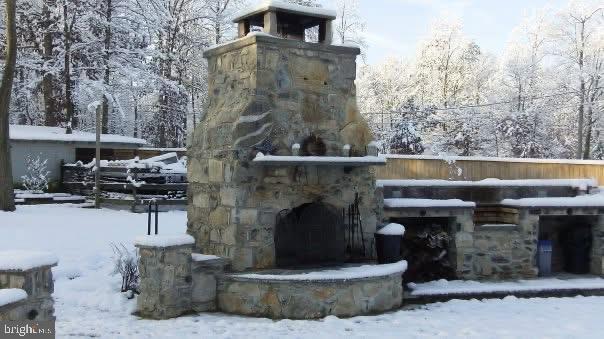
{"x":52,"y":106}
{"x":69,"y":106}
{"x":581,"y":120}
{"x":7,"y":201}
{"x":106,"y":57}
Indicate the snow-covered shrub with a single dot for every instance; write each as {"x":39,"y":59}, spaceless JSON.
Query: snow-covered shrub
{"x":126,"y":264}
{"x":36,"y":177}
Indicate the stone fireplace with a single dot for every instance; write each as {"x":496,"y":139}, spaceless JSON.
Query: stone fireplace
{"x":281,"y":152}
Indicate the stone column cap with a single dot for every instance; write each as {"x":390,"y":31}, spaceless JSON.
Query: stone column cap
{"x":19,"y":260}
{"x":162,"y":241}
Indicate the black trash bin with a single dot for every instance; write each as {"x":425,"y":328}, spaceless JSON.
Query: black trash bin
{"x":388,"y":243}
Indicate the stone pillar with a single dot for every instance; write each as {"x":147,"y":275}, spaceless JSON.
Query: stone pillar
{"x":525,"y":254}
{"x":243,"y":28}
{"x":165,"y":276}
{"x":463,"y":247}
{"x":206,"y":271}
{"x":31,"y":272}
{"x":597,"y":248}
{"x":270,"y":23}
{"x":326,"y":32}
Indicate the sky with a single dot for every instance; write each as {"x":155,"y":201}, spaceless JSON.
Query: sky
{"x":395,"y":27}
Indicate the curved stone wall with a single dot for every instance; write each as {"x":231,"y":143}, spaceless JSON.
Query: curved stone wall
{"x":309,"y":299}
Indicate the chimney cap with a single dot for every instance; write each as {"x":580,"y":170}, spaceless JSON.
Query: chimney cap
{"x":256,"y":13}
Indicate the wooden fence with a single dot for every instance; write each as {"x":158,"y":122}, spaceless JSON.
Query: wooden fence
{"x":475,"y":168}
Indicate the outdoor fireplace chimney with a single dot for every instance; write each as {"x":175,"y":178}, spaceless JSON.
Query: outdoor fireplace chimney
{"x":272,"y":96}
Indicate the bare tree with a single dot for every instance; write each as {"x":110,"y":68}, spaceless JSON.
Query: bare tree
{"x":7,"y":202}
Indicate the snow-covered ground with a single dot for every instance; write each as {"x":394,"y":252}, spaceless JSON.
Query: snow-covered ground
{"x":88,"y":302}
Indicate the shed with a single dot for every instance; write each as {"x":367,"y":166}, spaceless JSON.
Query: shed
{"x":55,"y":145}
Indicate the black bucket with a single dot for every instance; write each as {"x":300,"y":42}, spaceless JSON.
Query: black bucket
{"x":388,"y":248}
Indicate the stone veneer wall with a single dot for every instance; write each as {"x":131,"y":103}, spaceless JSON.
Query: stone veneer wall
{"x":165,"y":281}
{"x":597,"y":247}
{"x":268,"y":90}
{"x":205,"y":280}
{"x":293,"y":299}
{"x":38,"y":284}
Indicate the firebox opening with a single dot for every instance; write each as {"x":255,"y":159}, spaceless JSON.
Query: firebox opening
{"x":309,"y":235}
{"x":571,"y":239}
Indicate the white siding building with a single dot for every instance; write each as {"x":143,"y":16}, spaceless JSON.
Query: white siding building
{"x":53,"y":144}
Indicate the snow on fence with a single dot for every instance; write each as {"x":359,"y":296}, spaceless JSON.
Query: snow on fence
{"x":480,"y":168}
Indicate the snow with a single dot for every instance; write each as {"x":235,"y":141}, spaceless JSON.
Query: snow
{"x":19,"y":260}
{"x":260,"y":34}
{"x":203,"y":257}
{"x":344,"y":273}
{"x":444,"y":287}
{"x":426,"y":203}
{"x":392,"y":229}
{"x":88,"y":302}
{"x":594,"y":200}
{"x":164,"y":240}
{"x":582,"y":184}
{"x":11,"y":295}
{"x":284,"y":7}
{"x":452,"y":159}
{"x":318,"y":159}
{"x":43,"y":133}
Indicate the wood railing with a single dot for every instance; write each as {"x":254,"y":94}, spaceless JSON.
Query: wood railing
{"x":475,"y":168}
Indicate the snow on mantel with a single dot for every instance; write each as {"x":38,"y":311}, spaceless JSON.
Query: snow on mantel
{"x":44,"y":133}
{"x":427,"y":203}
{"x":164,"y":240}
{"x":344,"y":273}
{"x":11,"y":295}
{"x":25,"y":260}
{"x":319,"y":161}
{"x":282,"y":6}
{"x":203,"y":257}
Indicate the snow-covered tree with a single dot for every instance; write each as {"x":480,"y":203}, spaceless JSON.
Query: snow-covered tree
{"x":36,"y":175}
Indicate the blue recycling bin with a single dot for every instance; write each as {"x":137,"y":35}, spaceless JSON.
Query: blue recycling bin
{"x":544,"y":257}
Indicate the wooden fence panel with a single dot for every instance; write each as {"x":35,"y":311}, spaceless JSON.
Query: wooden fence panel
{"x":482,"y":168}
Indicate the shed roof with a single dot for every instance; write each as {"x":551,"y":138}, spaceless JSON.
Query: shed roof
{"x":58,"y":134}
{"x":283,"y":7}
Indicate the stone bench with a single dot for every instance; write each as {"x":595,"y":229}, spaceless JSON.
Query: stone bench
{"x":30,"y":272}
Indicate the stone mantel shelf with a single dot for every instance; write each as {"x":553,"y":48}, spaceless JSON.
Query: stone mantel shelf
{"x":274,"y":160}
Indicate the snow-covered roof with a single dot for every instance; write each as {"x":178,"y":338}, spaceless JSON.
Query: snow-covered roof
{"x":58,"y":134}
{"x":280,"y":6}
{"x":25,"y":260}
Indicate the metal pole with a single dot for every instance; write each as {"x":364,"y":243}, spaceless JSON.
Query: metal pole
{"x":156,"y":218}
{"x":97,"y":174}
{"x":149,"y":219}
